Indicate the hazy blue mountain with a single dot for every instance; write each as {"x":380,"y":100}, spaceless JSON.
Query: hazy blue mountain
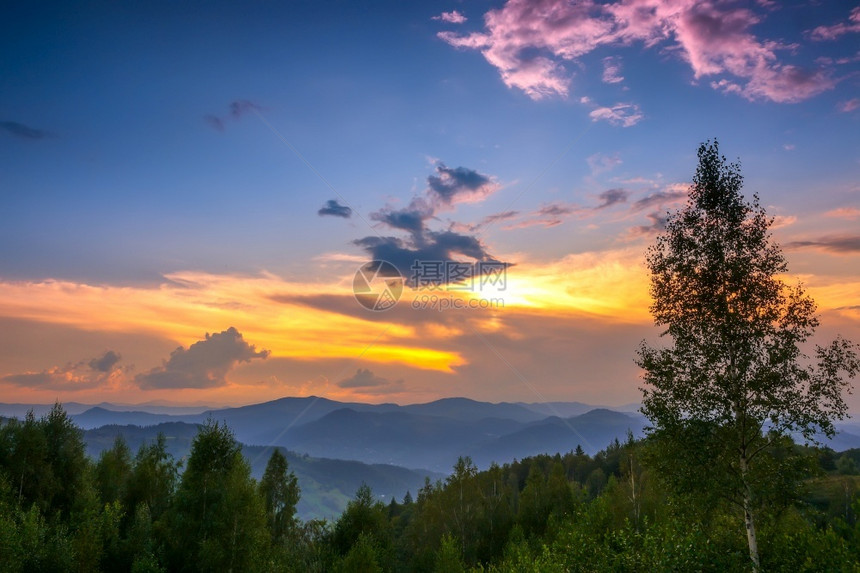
{"x":327,"y":484}
{"x":261,"y":423}
{"x":400,"y":438}
{"x":558,"y":409}
{"x":593,"y":430}
{"x":39,"y":410}
{"x":98,"y":416}
{"x":466,"y":409}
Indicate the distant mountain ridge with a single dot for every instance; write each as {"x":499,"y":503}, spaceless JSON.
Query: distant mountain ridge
{"x":430,"y":435}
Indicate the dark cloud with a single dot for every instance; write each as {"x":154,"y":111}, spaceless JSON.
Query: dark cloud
{"x":839,"y":245}
{"x":496,"y":217}
{"x":204,"y":364}
{"x":612,"y":197}
{"x":23,"y":131}
{"x":423,"y":245}
{"x":334,"y":209}
{"x":459,"y":184}
{"x":557,"y":210}
{"x":409,"y":219}
{"x":658,"y":224}
{"x":554,"y":214}
{"x":657,"y":199}
{"x":364,"y":378}
{"x":106,"y":362}
{"x":240,"y":107}
{"x":214,"y":121}
{"x":434,"y":247}
{"x":237,"y":109}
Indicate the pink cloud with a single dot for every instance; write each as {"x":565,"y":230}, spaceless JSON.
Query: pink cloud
{"x":621,"y":114}
{"x":452,"y":17}
{"x":529,"y":42}
{"x":850,"y":213}
{"x":835,"y":31}
{"x":612,"y":70}
{"x":850,"y":105}
{"x":602,"y":163}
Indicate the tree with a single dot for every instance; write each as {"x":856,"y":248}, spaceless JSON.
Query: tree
{"x":113,"y":470}
{"x":364,"y":517}
{"x":153,"y":479}
{"x":217,"y":521}
{"x":280,"y":491}
{"x":734,"y":380}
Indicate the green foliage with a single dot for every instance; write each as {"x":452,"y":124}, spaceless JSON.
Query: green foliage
{"x":448,"y":558}
{"x":217,"y":521}
{"x":113,"y":471}
{"x":153,"y":479}
{"x":365,"y":522}
{"x":280,"y":492}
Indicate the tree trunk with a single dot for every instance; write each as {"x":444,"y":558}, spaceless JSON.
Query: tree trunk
{"x":748,"y":517}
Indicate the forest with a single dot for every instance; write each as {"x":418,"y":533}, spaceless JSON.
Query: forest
{"x":146,"y":511}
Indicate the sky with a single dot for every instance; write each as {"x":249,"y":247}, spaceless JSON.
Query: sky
{"x":189,"y":189}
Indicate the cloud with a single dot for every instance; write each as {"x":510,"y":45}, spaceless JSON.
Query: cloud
{"x":601,"y":163}
{"x":427,"y":247}
{"x":81,"y":375}
{"x":612,"y":70}
{"x":836,"y":30}
{"x":446,"y":188}
{"x":334,"y":209}
{"x":549,"y":215}
{"x":496,"y":217}
{"x":240,"y":107}
{"x":621,"y":114}
{"x":782,"y":221}
{"x":530,"y":41}
{"x":214,"y":121}
{"x":452,"y":17}
{"x":657,"y":224}
{"x":849,"y":105}
{"x":236,"y":110}
{"x":612,"y":197}
{"x":836,"y":244}
{"x":460,"y":185}
{"x":106,"y":362}
{"x":204,"y":364}
{"x":658,"y":203}
{"x":364,"y":378}
{"x":489,"y":220}
{"x":554,"y":214}
{"x":409,"y":219}
{"x":658,"y":199}
{"x":850,"y":213}
{"x":23,"y":131}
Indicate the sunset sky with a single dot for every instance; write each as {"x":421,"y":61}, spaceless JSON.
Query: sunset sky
{"x":188,"y":189}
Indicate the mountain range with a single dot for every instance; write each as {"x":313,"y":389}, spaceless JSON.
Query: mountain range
{"x":335,"y":446}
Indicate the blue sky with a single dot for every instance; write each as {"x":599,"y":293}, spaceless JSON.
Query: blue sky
{"x":138,"y":143}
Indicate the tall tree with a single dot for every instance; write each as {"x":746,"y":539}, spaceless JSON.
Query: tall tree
{"x":153,"y":480}
{"x":217,"y":521}
{"x":113,"y":470}
{"x":734,"y":380}
{"x":280,"y":491}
